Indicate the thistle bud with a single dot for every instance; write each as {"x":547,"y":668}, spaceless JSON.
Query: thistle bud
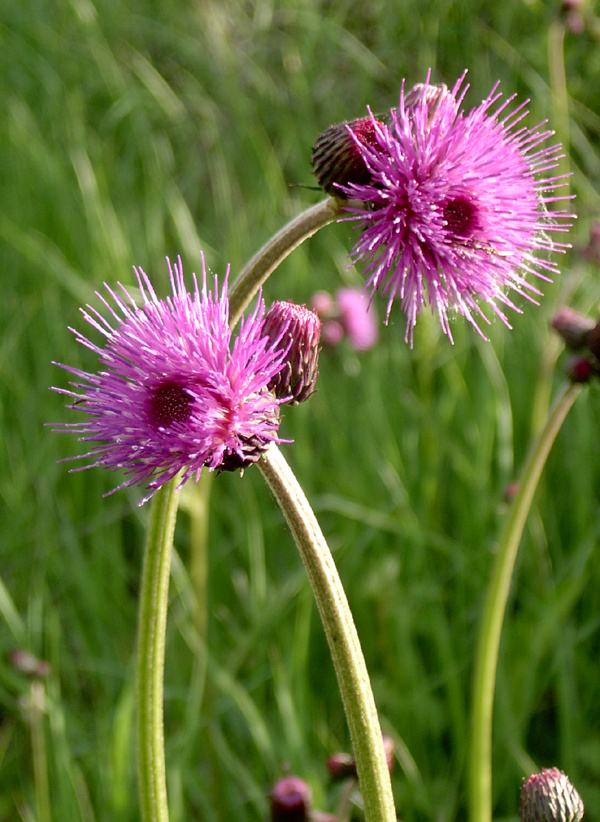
{"x":336,"y":157}
{"x":573,"y":327}
{"x":570,"y":11}
{"x":549,"y":797}
{"x":341,"y":766}
{"x":290,"y":800}
{"x":296,"y":329}
{"x":579,"y":369}
{"x":431,"y":96}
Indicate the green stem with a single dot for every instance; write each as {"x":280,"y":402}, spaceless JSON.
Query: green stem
{"x":266,"y":260}
{"x":159,"y":543}
{"x":37,"y":699}
{"x":486,"y":659}
{"x":198,"y":510}
{"x":341,"y":634}
{"x":154,"y":596}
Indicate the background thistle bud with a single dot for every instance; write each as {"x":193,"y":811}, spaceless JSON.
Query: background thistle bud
{"x":548,"y":796}
{"x":290,"y":800}
{"x":295,"y":329}
{"x":336,"y":157}
{"x":579,"y":369}
{"x":341,"y":766}
{"x":573,"y":327}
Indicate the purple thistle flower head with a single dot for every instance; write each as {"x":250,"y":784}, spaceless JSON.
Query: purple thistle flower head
{"x":173,"y":394}
{"x":455,"y":212}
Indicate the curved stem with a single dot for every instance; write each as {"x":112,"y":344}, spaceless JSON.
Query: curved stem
{"x":266,"y":260}
{"x":341,"y":634}
{"x":486,"y":658}
{"x":154,"y":596}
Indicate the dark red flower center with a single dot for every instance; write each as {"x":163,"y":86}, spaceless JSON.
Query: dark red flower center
{"x":169,"y":403}
{"x":460,"y":217}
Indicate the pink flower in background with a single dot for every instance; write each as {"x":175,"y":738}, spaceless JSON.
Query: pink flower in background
{"x":358,"y":321}
{"x":455,"y":212}
{"x":349,"y":315}
{"x":174,"y":393}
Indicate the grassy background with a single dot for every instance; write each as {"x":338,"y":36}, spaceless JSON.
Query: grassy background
{"x":134,"y":130}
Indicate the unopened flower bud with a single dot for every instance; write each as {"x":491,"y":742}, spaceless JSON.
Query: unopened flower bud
{"x":296,"y":329}
{"x":571,"y":15}
{"x":579,"y":369}
{"x":341,"y":766}
{"x":549,"y":797}
{"x":290,"y":800}
{"x":431,"y":95}
{"x":336,"y":157}
{"x":573,"y":327}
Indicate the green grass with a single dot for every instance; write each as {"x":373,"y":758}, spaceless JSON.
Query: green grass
{"x":135,"y":130}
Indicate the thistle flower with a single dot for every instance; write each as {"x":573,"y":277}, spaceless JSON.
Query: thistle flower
{"x":173,"y":394}
{"x":549,"y":796}
{"x":455,"y":211}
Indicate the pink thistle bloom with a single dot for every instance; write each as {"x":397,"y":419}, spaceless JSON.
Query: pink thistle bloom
{"x":349,"y":314}
{"x":173,"y":394}
{"x":454,"y":214}
{"x":360,"y":323}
